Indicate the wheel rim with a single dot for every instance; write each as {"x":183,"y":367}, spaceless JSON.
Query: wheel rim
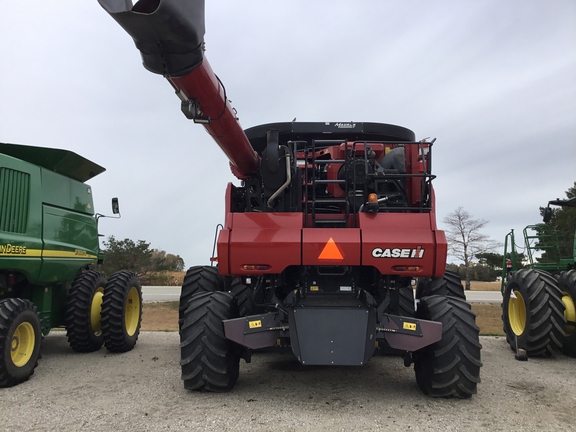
{"x":22,"y":345}
{"x":132,"y":311}
{"x":569,"y":312}
{"x":517,"y":313}
{"x":96,"y":310}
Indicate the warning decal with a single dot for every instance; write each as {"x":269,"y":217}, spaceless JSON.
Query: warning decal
{"x":330,"y":251}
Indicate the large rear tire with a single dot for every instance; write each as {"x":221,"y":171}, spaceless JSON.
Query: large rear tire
{"x":244,"y":295}
{"x":567,"y":284}
{"x":83,"y":311}
{"x":198,"y":279}
{"x":448,"y":285}
{"x":533,"y":313}
{"x":405,"y":301}
{"x":121,"y":312}
{"x":20,"y":338}
{"x":209,"y":361}
{"x":451,"y":366}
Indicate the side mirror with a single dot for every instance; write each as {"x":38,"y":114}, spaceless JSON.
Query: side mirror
{"x":115,"y":206}
{"x":547,"y":215}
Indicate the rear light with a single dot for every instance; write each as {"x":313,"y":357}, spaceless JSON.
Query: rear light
{"x":251,"y":267}
{"x":406,"y":268}
{"x":373,"y":198}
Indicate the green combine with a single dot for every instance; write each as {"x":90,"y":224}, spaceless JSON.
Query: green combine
{"x":48,"y":246}
{"x":538,"y":307}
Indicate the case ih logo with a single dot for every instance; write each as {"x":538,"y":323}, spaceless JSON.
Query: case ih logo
{"x":398,"y":253}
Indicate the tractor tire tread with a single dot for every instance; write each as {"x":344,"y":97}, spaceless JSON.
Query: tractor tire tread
{"x":12,"y":309}
{"x":198,"y":279}
{"x":449,"y":368}
{"x":544,"y":330}
{"x":77,"y":321}
{"x":114,"y":333}
{"x":209,"y":361}
{"x":448,"y":285}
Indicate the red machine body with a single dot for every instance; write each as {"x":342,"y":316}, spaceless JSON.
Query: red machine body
{"x":323,"y":241}
{"x":402,"y":242}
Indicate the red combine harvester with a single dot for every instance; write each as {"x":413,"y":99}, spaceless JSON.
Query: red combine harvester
{"x":332,"y":227}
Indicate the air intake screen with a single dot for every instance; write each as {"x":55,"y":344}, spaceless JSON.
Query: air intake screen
{"x":14,"y":199}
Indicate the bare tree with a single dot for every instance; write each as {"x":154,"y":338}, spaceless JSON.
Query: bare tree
{"x":465,"y":240}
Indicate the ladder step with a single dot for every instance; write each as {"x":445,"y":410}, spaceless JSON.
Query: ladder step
{"x":329,"y":201}
{"x":329,"y":181}
{"x":330,"y":222}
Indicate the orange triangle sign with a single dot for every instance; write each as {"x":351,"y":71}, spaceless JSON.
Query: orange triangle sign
{"x":330,"y":251}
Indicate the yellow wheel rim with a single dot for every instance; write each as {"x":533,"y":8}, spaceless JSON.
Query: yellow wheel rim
{"x":132,"y":311}
{"x":569,"y":312}
{"x":95,"y":311}
{"x":517,"y":313}
{"x":22,"y":345}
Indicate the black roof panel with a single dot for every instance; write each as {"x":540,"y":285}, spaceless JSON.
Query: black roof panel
{"x":330,"y":131}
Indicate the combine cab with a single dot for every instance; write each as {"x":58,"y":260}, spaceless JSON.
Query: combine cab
{"x":323,"y":240}
{"x":48,"y":243}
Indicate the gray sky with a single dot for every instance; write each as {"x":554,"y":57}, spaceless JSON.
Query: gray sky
{"x":493,"y":81}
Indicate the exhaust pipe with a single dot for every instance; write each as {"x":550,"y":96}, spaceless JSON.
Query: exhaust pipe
{"x":170,"y":37}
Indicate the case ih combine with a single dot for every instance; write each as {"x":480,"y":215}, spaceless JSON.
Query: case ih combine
{"x":322,"y":242}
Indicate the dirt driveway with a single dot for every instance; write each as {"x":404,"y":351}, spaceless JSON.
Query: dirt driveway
{"x":141,"y":391}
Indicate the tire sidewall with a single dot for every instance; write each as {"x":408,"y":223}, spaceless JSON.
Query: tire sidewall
{"x":544,"y":313}
{"x":18,"y":374}
{"x":567,"y":284}
{"x":513,"y":339}
{"x":116,"y":296}
{"x":83,"y":337}
{"x":134,"y":283}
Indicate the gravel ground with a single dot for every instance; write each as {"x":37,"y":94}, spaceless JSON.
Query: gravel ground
{"x":141,"y":391}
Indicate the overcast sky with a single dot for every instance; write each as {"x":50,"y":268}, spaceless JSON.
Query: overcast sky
{"x":493,"y":81}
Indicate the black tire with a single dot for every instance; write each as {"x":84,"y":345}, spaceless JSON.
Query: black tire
{"x":83,"y":311}
{"x":198,"y":279}
{"x":406,"y":301}
{"x":121,"y":312}
{"x":209,"y":361}
{"x":534,"y":318}
{"x":448,"y":285}
{"x":451,"y":366}
{"x":20,"y":339}
{"x":567,"y":285}
{"x":421,"y":286}
{"x":244,"y":295}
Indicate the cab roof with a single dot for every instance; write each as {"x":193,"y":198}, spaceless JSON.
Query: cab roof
{"x":64,"y":162}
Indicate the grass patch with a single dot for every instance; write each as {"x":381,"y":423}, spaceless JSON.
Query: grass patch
{"x":160,"y":316}
{"x":163,"y":316}
{"x":484,"y":286}
{"x":488,"y":318}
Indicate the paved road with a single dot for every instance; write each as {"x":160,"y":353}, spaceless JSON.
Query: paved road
{"x":160,"y":293}
{"x":172,"y":293}
{"x":484,"y":297}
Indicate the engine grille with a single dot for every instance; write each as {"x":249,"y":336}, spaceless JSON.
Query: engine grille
{"x":14,"y":200}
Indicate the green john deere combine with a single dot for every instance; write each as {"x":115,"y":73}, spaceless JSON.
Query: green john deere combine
{"x":48,"y":244}
{"x":538,"y":307}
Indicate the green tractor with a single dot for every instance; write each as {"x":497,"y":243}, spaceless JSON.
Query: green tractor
{"x":538,"y":308}
{"x":48,"y":247}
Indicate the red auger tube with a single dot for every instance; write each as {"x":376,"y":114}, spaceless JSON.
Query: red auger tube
{"x":170,"y":37}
